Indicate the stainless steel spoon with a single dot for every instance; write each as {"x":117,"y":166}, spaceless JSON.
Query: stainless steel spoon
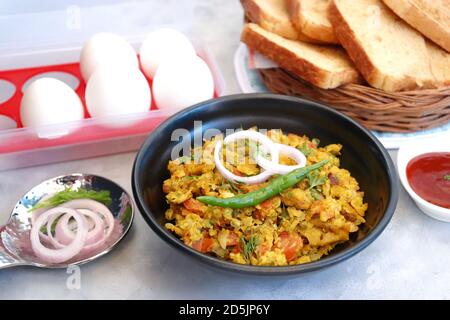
{"x":15,"y":245}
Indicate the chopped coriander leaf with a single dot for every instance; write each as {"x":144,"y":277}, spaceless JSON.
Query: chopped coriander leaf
{"x":306,"y":150}
{"x":315,"y":180}
{"x":249,"y":246}
{"x":126,"y":216}
{"x":447,"y":177}
{"x":316,"y":194}
{"x":66,"y":195}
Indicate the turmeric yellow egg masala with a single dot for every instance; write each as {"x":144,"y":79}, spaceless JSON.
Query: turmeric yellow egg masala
{"x":299,"y":225}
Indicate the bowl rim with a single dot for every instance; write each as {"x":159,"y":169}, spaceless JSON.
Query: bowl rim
{"x":407,"y":153}
{"x":267,"y":270}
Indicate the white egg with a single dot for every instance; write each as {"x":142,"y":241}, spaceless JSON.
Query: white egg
{"x":117,"y":91}
{"x":163,"y":44}
{"x":106,"y":49}
{"x":49,"y":101}
{"x":182,"y":83}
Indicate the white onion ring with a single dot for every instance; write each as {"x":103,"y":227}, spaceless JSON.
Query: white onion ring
{"x":251,"y":135}
{"x":277,"y":168}
{"x":98,"y":208}
{"x":64,"y":235}
{"x":61,"y":254}
{"x":49,"y":236}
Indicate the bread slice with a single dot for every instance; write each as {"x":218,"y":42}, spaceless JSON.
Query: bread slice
{"x":273,"y":16}
{"x":430,"y":17}
{"x":439,"y":64}
{"x":311,"y":18}
{"x":324,"y":66}
{"x":389,"y":53}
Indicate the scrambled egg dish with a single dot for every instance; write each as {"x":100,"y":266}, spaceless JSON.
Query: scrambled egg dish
{"x":299,"y":225}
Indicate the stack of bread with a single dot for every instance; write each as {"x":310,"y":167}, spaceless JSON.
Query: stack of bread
{"x":391,"y":45}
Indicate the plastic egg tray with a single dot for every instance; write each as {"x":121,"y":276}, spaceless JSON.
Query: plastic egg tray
{"x":22,"y":147}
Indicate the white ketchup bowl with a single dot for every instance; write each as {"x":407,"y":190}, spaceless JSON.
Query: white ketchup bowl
{"x":408,"y":152}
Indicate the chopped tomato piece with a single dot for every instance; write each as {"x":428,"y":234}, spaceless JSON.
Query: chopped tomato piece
{"x":220,"y":223}
{"x":194,"y":206}
{"x":271,"y":203}
{"x":290,"y":244}
{"x":197,"y":245}
{"x":166,"y":188}
{"x":266,"y":204}
{"x":207,"y":244}
{"x":203,"y":245}
{"x":236,"y":249}
{"x":259,"y":214}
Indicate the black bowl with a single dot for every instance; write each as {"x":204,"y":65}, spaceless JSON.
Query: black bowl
{"x":363,"y":155}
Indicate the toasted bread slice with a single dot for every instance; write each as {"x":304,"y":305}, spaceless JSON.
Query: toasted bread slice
{"x":324,"y":66}
{"x":430,"y":17}
{"x":273,"y":16}
{"x":311,"y":18}
{"x":390,"y":54}
{"x":439,"y":64}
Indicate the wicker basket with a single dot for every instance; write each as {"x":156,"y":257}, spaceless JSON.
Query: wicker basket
{"x":373,"y":108}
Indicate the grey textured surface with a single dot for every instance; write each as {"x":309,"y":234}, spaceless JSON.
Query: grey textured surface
{"x":409,"y":260}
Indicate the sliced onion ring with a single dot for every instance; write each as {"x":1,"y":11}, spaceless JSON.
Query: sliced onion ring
{"x":49,"y":236}
{"x":58,"y":255}
{"x":64,"y":235}
{"x":251,"y":135}
{"x":278,"y":168}
{"x":98,"y":208}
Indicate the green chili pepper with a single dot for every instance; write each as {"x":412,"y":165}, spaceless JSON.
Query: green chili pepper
{"x":254,"y":198}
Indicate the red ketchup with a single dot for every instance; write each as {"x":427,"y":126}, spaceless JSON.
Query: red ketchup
{"x":429,"y":177}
